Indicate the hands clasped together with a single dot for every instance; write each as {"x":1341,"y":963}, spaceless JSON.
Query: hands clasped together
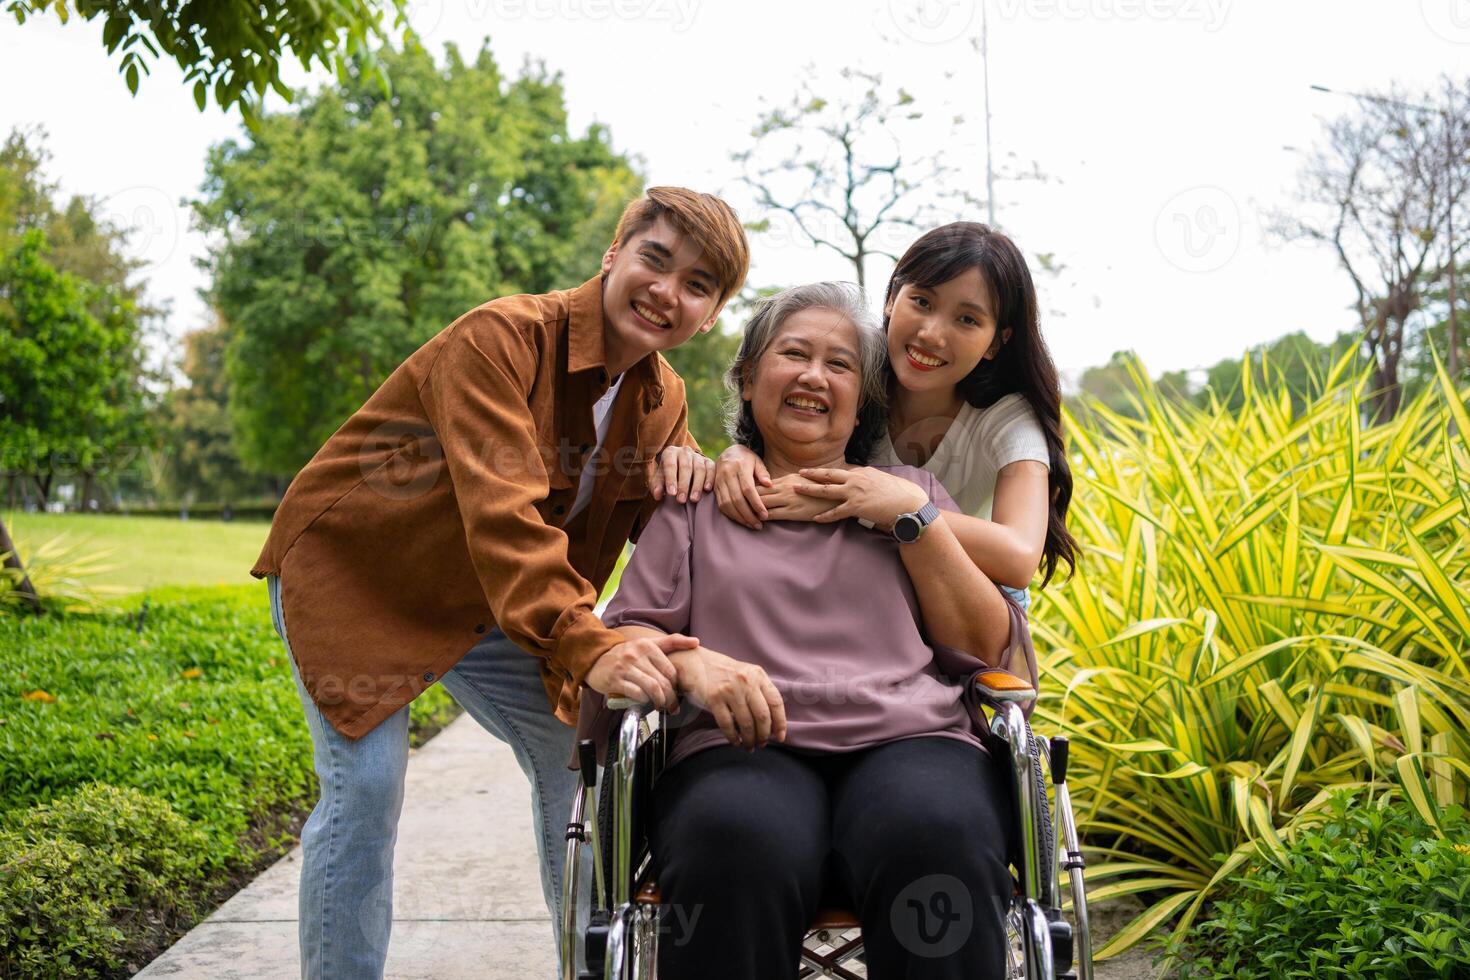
{"x":658,"y":668}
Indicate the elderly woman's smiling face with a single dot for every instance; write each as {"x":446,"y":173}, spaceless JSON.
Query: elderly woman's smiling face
{"x":805,"y":387}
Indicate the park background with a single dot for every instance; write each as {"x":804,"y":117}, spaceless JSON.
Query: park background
{"x":1244,"y":233}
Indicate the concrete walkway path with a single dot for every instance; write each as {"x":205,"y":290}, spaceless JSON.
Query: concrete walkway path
{"x":467,"y":904}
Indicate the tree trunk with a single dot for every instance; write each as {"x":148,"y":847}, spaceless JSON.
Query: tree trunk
{"x":12,"y":560}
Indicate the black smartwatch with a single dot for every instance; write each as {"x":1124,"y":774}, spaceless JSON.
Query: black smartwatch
{"x":908,"y":528}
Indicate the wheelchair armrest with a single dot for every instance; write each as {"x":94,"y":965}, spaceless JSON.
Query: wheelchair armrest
{"x":1002,"y":687}
{"x":620,"y":703}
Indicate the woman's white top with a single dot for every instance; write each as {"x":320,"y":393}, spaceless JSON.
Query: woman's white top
{"x":978,"y":444}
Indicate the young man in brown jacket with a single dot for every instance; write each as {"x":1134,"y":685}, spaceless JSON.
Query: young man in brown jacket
{"x":458,"y":528}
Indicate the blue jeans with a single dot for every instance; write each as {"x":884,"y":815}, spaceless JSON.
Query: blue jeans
{"x":1022,"y":596}
{"x":346,"y":898}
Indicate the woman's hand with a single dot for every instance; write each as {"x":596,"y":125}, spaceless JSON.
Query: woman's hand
{"x":736,"y":474}
{"x":863,"y":492}
{"x":680,"y":470}
{"x":641,"y":669}
{"x":744,"y":702}
{"x":783,"y":503}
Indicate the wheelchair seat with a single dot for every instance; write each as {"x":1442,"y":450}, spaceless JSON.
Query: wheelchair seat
{"x":832,"y":914}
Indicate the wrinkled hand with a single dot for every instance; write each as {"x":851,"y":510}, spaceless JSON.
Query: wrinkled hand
{"x":742,"y":699}
{"x":680,"y":471}
{"x":737,"y":472}
{"x":783,"y":503}
{"x":873,"y":494}
{"x":640,"y":669}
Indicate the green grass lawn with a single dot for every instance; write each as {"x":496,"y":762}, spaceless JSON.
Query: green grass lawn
{"x":146,"y":552}
{"x":151,"y":765}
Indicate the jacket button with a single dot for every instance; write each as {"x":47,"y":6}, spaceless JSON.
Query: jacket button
{"x":586,"y":448}
{"x":479,"y":627}
{"x":429,"y":676}
{"x":559,"y":509}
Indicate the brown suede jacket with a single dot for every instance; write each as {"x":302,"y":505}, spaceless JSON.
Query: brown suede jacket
{"x":438,"y":510}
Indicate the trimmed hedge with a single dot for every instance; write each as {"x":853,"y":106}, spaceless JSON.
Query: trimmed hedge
{"x":238,"y":512}
{"x":145,"y":771}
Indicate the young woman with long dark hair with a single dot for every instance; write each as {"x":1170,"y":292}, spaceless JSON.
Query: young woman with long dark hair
{"x":973,"y":398}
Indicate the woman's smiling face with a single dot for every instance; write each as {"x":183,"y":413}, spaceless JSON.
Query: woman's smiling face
{"x":938,"y":334}
{"x":805,"y":387}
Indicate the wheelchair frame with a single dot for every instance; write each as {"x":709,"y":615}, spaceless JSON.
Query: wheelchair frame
{"x":621,"y":936}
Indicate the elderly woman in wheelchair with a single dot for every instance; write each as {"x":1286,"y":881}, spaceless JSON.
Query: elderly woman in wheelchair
{"x":828,"y":748}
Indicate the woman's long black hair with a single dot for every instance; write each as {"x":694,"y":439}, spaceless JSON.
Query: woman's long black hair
{"x":1023,"y":365}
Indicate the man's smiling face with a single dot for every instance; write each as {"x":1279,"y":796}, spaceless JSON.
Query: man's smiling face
{"x":657,"y":292}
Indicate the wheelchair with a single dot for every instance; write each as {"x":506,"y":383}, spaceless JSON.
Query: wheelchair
{"x":620,"y":936}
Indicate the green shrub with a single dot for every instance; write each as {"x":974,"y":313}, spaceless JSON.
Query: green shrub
{"x":193,"y":707}
{"x":83,"y":878}
{"x":1271,"y":607}
{"x":1371,"y":892}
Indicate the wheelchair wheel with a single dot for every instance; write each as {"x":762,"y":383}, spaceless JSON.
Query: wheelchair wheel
{"x":1048,"y":830}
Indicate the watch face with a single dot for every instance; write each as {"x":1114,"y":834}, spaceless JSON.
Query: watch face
{"x":906,"y":528}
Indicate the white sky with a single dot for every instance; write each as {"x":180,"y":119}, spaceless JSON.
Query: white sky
{"x":1161,"y":123}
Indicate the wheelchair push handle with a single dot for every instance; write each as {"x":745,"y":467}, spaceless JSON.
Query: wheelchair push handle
{"x":1059,"y":759}
{"x":587,"y":762}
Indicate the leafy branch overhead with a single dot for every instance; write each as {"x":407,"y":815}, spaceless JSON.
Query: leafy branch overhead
{"x":232,"y":48}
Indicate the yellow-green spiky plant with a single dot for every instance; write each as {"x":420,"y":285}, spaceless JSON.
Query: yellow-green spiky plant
{"x":1270,"y":606}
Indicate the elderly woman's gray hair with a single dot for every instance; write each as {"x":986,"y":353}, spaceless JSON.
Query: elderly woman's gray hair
{"x":760,"y":332}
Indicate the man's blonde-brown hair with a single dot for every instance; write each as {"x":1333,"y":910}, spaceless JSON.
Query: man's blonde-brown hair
{"x":703,"y":217}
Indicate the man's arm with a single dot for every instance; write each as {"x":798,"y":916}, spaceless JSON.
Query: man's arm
{"x":477,"y":398}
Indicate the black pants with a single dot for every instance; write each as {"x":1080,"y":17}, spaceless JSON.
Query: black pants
{"x":913,"y":834}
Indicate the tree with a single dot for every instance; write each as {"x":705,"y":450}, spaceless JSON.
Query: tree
{"x":81,"y":241}
{"x":94,"y":252}
{"x":702,"y":363}
{"x":203,"y":463}
{"x":1381,"y":191}
{"x":351,"y":230}
{"x":842,"y":169}
{"x":67,"y":397}
{"x":1116,"y":384}
{"x":1294,"y":363}
{"x":233,"y":49}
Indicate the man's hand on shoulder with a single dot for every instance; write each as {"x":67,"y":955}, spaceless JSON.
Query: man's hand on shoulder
{"x":681,"y":472}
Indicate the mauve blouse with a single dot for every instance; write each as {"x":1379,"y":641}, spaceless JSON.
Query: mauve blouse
{"x":827,"y":610}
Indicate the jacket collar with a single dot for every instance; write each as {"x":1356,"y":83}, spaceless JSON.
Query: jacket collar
{"x":584,"y":342}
